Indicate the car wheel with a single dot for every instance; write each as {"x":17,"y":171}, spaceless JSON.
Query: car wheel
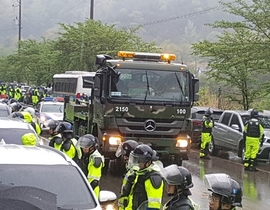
{"x":212,"y":148}
{"x":241,"y":150}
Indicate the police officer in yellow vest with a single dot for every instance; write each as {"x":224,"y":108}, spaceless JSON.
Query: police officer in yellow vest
{"x":18,"y":93}
{"x":253,"y":137}
{"x":226,"y":192}
{"x":91,"y":162}
{"x":28,"y":118}
{"x":179,"y":182}
{"x":55,"y":138}
{"x":124,"y":151}
{"x":206,"y":135}
{"x":35,"y":96}
{"x":68,"y":145}
{"x":147,"y":183}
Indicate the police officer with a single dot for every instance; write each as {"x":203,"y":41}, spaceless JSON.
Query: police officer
{"x":179,"y":182}
{"x":206,"y":136}
{"x":35,"y":96}
{"x":253,"y":137}
{"x":91,"y":162}
{"x":68,"y":145}
{"x":28,"y":118}
{"x":147,"y":183}
{"x":226,"y":192}
{"x":124,"y":151}
{"x":55,"y":138}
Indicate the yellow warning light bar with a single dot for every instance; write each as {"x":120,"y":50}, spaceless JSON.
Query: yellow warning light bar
{"x":168,"y":57}
{"x":126,"y":54}
{"x":147,"y":56}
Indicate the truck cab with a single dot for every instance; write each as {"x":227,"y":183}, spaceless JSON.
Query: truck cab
{"x":140,"y":96}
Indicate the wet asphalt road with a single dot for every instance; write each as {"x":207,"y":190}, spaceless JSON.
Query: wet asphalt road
{"x":256,"y":185}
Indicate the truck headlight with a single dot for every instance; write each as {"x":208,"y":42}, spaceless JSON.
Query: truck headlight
{"x":113,"y":140}
{"x":181,"y":143}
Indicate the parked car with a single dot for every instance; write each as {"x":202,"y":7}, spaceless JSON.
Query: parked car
{"x":197,"y":113}
{"x":228,"y":133}
{"x":12,"y":130}
{"x":47,"y":110}
{"x":5,"y":110}
{"x":45,"y":178}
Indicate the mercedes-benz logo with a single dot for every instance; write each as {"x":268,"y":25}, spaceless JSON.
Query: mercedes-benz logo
{"x":150,"y":125}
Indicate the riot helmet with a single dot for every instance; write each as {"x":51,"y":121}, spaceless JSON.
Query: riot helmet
{"x":142,"y":155}
{"x":52,"y":124}
{"x":31,"y":111}
{"x":15,"y":106}
{"x":126,"y":148}
{"x":87,"y":141}
{"x":65,"y":129}
{"x":177,"y":176}
{"x":254,"y":113}
{"x":208,"y":112}
{"x":229,"y":191}
{"x":17,"y":115}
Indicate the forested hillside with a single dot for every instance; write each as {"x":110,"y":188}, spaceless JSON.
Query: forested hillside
{"x":177,"y":21}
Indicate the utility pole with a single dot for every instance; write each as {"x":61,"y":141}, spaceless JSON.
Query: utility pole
{"x":20,"y":20}
{"x":91,"y":9}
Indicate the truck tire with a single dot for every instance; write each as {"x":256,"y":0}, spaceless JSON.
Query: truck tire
{"x":212,"y":148}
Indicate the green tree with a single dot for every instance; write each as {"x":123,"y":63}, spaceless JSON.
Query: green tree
{"x":80,"y":43}
{"x":240,"y":54}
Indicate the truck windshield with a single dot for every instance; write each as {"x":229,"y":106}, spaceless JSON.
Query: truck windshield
{"x":157,"y":85}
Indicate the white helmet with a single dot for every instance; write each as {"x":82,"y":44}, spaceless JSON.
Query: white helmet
{"x":31,"y":111}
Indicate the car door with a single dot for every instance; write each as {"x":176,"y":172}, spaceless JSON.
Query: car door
{"x":234,"y":135}
{"x":222,"y":130}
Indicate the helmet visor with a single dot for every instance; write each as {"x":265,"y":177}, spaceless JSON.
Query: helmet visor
{"x":218,"y":183}
{"x":135,"y":160}
{"x":84,"y":142}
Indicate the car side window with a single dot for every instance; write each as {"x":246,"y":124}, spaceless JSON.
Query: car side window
{"x":226,"y":118}
{"x":236,"y":121}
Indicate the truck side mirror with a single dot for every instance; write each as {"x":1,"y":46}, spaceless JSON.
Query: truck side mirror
{"x":98,"y":88}
{"x":196,"y":87}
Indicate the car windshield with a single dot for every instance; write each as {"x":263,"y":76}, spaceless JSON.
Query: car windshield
{"x":63,"y":180}
{"x":152,"y":84}
{"x":3,"y":113}
{"x":53,"y":108}
{"x":264,"y":120}
{"x":13,"y":135}
{"x":199,"y":115}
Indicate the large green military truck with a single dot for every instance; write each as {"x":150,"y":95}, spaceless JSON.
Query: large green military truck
{"x":140,"y":96}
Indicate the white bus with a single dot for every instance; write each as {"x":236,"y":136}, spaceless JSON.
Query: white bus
{"x":72,"y":83}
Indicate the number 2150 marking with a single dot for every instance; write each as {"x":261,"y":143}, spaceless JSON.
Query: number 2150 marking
{"x":121,"y":109}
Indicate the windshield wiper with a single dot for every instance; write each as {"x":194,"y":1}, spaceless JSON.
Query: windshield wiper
{"x":180,"y":86}
{"x":148,"y":87}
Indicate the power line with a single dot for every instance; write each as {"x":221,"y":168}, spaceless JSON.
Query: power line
{"x":183,"y":16}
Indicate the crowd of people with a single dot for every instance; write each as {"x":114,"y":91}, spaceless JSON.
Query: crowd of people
{"x":16,"y":92}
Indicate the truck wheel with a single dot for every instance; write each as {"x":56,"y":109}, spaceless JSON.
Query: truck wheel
{"x":212,"y":148}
